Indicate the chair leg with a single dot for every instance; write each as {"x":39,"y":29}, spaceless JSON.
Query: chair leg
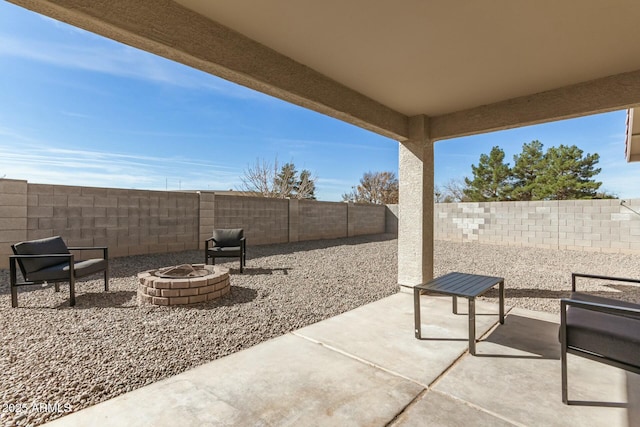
{"x":106,"y":279}
{"x":72,"y":289}
{"x":563,"y":350}
{"x":14,"y":288}
{"x":241,"y":266}
{"x":563,"y":356}
{"x":56,"y":286}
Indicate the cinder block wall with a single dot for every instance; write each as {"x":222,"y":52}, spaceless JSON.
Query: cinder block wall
{"x":267,"y":221}
{"x":13,"y":216}
{"x":391,"y":219}
{"x":588,"y":225}
{"x":132,"y":222}
{"x":366,"y":219}
{"x":325,"y":220}
{"x":129,"y":222}
{"x":264,"y":220}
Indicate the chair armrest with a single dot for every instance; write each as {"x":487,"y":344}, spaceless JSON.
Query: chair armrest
{"x":41,"y":256}
{"x":601,"y":308}
{"x":595,"y":276}
{"x":104,"y":249}
{"x":87,"y":248}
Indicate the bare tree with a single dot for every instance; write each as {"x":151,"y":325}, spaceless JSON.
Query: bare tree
{"x":375,"y":187}
{"x":305,"y":187}
{"x":454,"y":191}
{"x":260,"y":178}
{"x":270,"y":180}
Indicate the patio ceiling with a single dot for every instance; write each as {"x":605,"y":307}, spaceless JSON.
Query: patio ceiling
{"x":469,"y":66}
{"x":632,"y":142}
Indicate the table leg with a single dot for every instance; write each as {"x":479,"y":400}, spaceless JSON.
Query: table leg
{"x":501,"y":289}
{"x":416,"y":313}
{"x":472,"y":326}
{"x":455,"y":304}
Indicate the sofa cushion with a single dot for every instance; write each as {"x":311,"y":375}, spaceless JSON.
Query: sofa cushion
{"x":615,"y":337}
{"x":226,"y":250}
{"x":50,"y":245}
{"x":61,"y":271}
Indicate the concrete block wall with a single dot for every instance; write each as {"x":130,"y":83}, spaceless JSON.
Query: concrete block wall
{"x":13,"y":216}
{"x":132,"y":222}
{"x":325,"y":220}
{"x":366,"y":219}
{"x":264,"y":220}
{"x":129,"y":222}
{"x":391,"y":219}
{"x":586,"y":225}
{"x":267,"y":221}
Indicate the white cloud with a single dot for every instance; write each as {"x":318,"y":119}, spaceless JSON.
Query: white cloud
{"x":115,"y":59}
{"x":41,"y":164}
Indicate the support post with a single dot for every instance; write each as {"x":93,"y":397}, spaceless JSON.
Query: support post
{"x":415,"y":216}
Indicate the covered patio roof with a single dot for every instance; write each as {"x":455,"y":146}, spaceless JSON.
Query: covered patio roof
{"x":632,"y":142}
{"x":414,"y":71}
{"x":469,"y":67}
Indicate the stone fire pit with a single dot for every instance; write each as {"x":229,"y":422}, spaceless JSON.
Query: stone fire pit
{"x":183,"y":284}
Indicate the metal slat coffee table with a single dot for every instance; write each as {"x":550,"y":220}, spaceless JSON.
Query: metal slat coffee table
{"x":460,"y":285}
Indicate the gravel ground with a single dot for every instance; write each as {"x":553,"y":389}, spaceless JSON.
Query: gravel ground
{"x":74,"y":357}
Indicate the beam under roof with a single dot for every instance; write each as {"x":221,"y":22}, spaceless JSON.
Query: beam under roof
{"x":597,"y":96}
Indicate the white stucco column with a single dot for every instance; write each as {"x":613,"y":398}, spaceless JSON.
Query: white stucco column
{"x":415,"y":212}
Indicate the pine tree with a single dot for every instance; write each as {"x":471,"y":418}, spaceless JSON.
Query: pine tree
{"x":491,"y":178}
{"x":527,"y":168}
{"x":568,"y":175}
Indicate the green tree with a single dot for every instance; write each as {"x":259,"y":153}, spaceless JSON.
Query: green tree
{"x":527,"y":168}
{"x":375,"y":187}
{"x":568,"y":174}
{"x":491,"y":178}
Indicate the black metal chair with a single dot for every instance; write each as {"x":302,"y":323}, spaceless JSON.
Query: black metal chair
{"x":49,"y":260}
{"x":227,"y":243}
{"x":601,"y":329}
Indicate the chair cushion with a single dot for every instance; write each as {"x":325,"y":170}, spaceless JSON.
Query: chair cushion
{"x":228,"y":237}
{"x":229,"y":251}
{"x":61,"y":271}
{"x":615,"y":337}
{"x":50,"y":245}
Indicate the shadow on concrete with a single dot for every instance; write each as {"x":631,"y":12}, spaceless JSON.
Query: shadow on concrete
{"x":530,"y":338}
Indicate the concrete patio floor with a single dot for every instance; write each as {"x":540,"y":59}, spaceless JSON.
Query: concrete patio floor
{"x":365,"y":367}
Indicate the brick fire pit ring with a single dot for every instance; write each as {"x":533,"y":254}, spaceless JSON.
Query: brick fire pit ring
{"x":183,"y":285}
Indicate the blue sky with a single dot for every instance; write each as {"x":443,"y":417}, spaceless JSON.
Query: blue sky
{"x":79,"y":109}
